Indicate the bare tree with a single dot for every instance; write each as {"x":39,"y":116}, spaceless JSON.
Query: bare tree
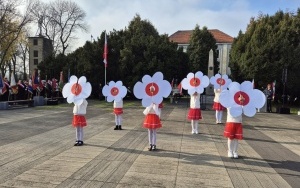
{"x":12,"y":24}
{"x":59,"y":21}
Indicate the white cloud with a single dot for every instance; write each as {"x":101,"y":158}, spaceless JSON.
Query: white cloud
{"x":169,"y":16}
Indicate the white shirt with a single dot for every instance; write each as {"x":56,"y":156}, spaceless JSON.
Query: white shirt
{"x":217,"y":95}
{"x":152,"y":109}
{"x":118,"y":104}
{"x":195,"y":101}
{"x":80,"y":109}
{"x":232,"y":119}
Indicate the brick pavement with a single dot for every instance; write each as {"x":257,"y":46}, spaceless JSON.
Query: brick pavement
{"x":36,"y":150}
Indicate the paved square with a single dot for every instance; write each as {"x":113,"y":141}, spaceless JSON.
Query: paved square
{"x":36,"y":150}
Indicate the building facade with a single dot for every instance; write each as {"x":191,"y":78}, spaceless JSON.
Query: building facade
{"x":224,"y":43}
{"x":39,"y":48}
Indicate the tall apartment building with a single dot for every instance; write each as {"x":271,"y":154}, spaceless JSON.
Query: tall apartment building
{"x":39,"y":48}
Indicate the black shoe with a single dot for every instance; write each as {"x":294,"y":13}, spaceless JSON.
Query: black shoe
{"x":80,"y":143}
{"x":120,"y":127}
{"x":150,"y":149}
{"x":76,"y":143}
{"x":153,"y":147}
{"x":116,"y":128}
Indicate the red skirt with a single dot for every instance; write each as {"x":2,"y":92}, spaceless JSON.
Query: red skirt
{"x":118,"y":111}
{"x":233,"y":130}
{"x":217,"y":106}
{"x":194,"y":114}
{"x":152,"y":122}
{"x":79,"y":121}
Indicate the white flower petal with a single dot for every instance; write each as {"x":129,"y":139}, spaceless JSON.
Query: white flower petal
{"x":70,"y":98}
{"x":199,"y":90}
{"x":82,"y":80}
{"x":204,"y":81}
{"x":78,"y":101}
{"x":66,"y":90}
{"x":146,"y":101}
{"x":86,"y":90}
{"x":165,"y":88}
{"x":246,"y":86}
{"x":158,"y":76}
{"x":157,"y":99}
{"x":117,"y":98}
{"x":110,"y":98}
{"x":249,"y":111}
{"x":118,"y":84}
{"x":191,"y":91}
{"x":122,"y":91}
{"x":139,"y":90}
{"x":73,"y":79}
{"x":111,"y":84}
{"x":225,"y":99}
{"x":234,"y":86}
{"x":190,"y":76}
{"x":259,"y":97}
{"x":146,"y":79}
{"x":199,"y":74}
{"x":235,"y":111}
{"x":106,"y":90}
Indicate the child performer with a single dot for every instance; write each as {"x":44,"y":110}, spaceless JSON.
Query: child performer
{"x":195,"y":113}
{"x":152,"y":122}
{"x":217,"y":106}
{"x":118,"y":111}
{"x":73,"y":91}
{"x":79,"y":121}
{"x":115,"y":91}
{"x":239,"y":99}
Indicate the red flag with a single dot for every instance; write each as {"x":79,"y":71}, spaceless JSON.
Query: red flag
{"x":35,"y":79}
{"x":172,"y":83}
{"x":180,"y":88}
{"x":105,"y":52}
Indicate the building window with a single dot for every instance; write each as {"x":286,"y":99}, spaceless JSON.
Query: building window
{"x":35,"y":61}
{"x":35,"y":42}
{"x":35,"y":53}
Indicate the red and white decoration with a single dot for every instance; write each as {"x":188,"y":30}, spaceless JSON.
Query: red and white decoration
{"x":195,"y":83}
{"x":220,"y":82}
{"x":77,"y":90}
{"x":242,"y":98}
{"x":114,"y":91}
{"x":152,"y":89}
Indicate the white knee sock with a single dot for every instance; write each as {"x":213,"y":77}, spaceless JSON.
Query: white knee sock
{"x":119,"y":120}
{"x":193,"y":125}
{"x":196,"y":126}
{"x":116,"y":119}
{"x":235,"y":145}
{"x":79,"y":133}
{"x":220,"y":116}
{"x":230,"y":145}
{"x":150,"y":136}
{"x":217,"y":116}
{"x":154,"y":136}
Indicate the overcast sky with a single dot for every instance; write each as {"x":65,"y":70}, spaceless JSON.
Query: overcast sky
{"x":169,"y":16}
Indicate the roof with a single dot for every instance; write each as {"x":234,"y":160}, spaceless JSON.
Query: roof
{"x":183,"y":37}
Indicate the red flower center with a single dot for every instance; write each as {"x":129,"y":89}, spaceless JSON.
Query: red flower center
{"x":76,"y":89}
{"x":195,"y":82}
{"x":114,"y":91}
{"x":152,"y":89}
{"x":241,"y":98}
{"x":221,"y":81}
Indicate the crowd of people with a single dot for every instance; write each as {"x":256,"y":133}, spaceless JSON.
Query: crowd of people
{"x":26,"y":89}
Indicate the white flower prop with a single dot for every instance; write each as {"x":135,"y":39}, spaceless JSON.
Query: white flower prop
{"x":77,"y":90}
{"x":114,"y":91}
{"x":152,"y":89}
{"x":195,"y":82}
{"x":220,"y":82}
{"x":242,"y":98}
